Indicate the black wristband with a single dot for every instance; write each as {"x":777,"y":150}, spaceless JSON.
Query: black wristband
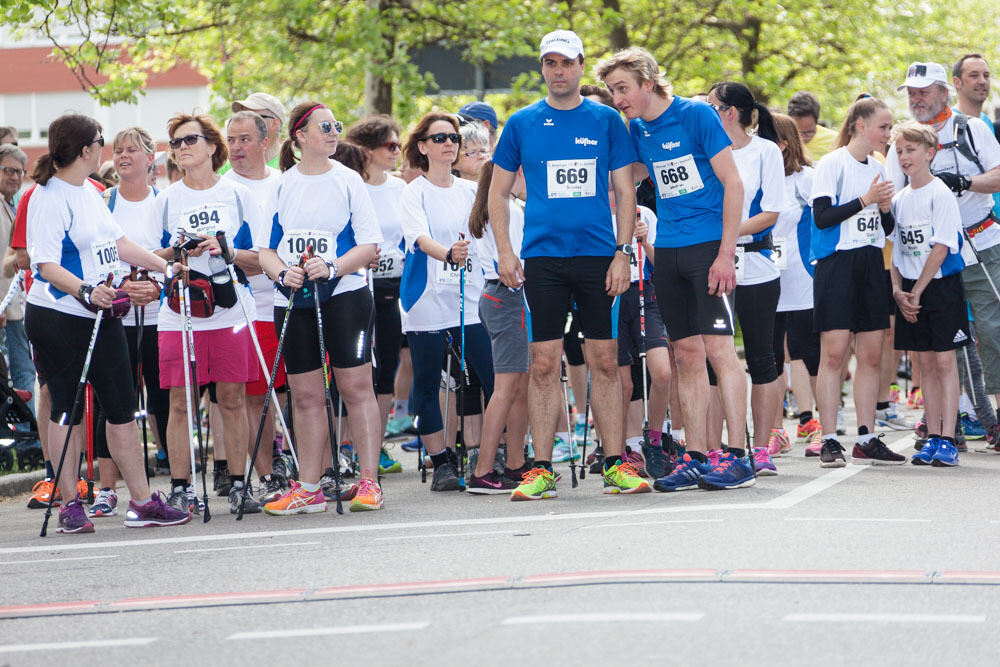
{"x":447,"y":257}
{"x":281,"y":277}
{"x":84,"y":293}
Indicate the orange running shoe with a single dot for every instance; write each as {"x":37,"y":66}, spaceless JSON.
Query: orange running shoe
{"x":367,"y":497}
{"x":81,"y":488}
{"x":297,"y":501}
{"x":41,"y":493}
{"x":803,"y":432}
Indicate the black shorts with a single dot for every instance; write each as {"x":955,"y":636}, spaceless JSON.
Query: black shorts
{"x":551,"y":284}
{"x":796,"y":327}
{"x":888,"y":290}
{"x":388,"y":334}
{"x":681,"y":280}
{"x":849,"y":292}
{"x":347,"y":332}
{"x":943,"y":321}
{"x":629,"y":330}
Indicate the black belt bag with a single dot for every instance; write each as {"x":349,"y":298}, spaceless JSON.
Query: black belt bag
{"x":766,"y":243}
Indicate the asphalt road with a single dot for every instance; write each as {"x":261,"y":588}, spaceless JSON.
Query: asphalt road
{"x":861,"y":565}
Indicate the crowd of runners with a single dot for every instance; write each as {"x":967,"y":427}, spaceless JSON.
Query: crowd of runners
{"x":509,"y":294}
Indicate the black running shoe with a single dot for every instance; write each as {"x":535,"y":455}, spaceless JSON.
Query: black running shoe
{"x":876,"y":453}
{"x":445,"y":477}
{"x":831,"y":455}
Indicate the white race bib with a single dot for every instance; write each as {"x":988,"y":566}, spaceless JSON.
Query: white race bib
{"x":915,"y":238}
{"x":572,"y":178}
{"x":865,"y":228}
{"x":205,"y":219}
{"x":634,"y":270}
{"x":105,"y":256}
{"x":450,"y":273}
{"x":778,"y":255}
{"x":968,"y":254}
{"x":295,"y":243}
{"x":676,"y":177}
{"x":390,"y":265}
{"x":738,"y":262}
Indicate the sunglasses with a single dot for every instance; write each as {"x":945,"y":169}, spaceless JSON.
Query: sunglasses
{"x":326,"y":127}
{"x":722,"y":107}
{"x":393,"y":146}
{"x":189,"y":140}
{"x":442,"y":137}
{"x":99,"y":141}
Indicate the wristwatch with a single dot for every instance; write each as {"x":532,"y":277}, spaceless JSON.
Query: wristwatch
{"x":333,"y":270}
{"x":281,"y":277}
{"x":624,"y":248}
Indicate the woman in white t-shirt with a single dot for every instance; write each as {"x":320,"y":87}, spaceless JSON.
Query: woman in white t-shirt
{"x":74,"y":244}
{"x":437,"y":206}
{"x":322,"y":209}
{"x":201,"y":205}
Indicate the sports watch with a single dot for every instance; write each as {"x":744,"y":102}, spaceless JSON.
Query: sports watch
{"x":624,"y":248}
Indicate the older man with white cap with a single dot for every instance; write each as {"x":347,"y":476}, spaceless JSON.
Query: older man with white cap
{"x":273,"y":112}
{"x":572,"y":151}
{"x":968,"y":161}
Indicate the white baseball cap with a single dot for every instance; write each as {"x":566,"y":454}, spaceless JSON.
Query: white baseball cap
{"x":563,"y":42}
{"x":921,"y":75}
{"x":262,"y":102}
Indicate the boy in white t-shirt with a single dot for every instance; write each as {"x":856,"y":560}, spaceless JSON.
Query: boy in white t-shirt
{"x":927,"y":286}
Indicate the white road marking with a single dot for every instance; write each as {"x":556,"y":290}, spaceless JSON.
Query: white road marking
{"x":55,"y":560}
{"x":248,"y":546}
{"x":321,"y":632}
{"x":853,"y":519}
{"x":884,"y":618}
{"x":63,"y":646}
{"x":605,"y":526}
{"x":605,"y":618}
{"x":439,"y":535}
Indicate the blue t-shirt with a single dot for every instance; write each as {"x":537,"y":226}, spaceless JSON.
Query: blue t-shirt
{"x":676,"y":149}
{"x":566,"y":156}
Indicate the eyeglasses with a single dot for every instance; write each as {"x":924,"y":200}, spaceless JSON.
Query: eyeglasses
{"x":722,"y":107}
{"x":442,"y":137}
{"x":189,"y":140}
{"x":12,"y":171}
{"x":480,"y":153}
{"x":393,"y":146}
{"x":326,"y":127}
{"x":99,"y":141}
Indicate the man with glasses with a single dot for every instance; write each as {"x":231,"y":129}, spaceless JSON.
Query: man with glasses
{"x":567,"y":145}
{"x":803,"y":107}
{"x":273,"y":112}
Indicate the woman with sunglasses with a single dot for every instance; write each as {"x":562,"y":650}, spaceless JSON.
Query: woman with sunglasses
{"x":75,"y":244}
{"x":437,"y":206}
{"x":380,"y":135}
{"x":199,"y":206}
{"x":322,"y":210}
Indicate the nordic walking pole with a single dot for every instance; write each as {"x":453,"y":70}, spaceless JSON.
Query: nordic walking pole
{"x":140,"y":320}
{"x":329,"y":401}
{"x":460,"y":399}
{"x":447,"y":386}
{"x":979,"y":259}
{"x":270,"y":392}
{"x":569,"y":421}
{"x":586,"y":429}
{"x":190,"y":374}
{"x":88,"y":418}
{"x":73,"y":413}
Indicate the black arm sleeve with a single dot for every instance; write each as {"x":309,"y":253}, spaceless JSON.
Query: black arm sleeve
{"x":888,"y":222}
{"x":825,"y":215}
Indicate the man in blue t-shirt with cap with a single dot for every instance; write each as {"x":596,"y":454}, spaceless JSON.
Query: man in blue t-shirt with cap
{"x":569,"y":148}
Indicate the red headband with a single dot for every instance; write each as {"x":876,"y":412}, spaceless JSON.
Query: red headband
{"x":306,"y":115}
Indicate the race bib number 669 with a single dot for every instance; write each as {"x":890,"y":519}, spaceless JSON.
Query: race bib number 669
{"x":571,"y":178}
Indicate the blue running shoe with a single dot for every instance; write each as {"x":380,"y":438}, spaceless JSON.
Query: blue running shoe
{"x":397,"y":426}
{"x":972,"y":428}
{"x":685,"y":475}
{"x":927,"y":453}
{"x":946,"y":455}
{"x":731,"y":473}
{"x":411,"y":446}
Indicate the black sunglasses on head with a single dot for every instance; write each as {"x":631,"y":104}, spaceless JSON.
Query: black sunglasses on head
{"x":189,"y":140}
{"x":441,"y":137}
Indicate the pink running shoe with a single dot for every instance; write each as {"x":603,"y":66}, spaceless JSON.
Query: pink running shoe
{"x":762,"y":463}
{"x":815,"y":445}
{"x":635,"y":458}
{"x":778,"y":443}
{"x":714,"y":455}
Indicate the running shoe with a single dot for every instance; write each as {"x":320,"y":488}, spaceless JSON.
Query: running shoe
{"x":105,"y":504}
{"x":178,"y":499}
{"x":41,"y":493}
{"x":517,"y":474}
{"x":894,"y":393}
{"x":945,"y":456}
{"x":491,"y":484}
{"x":563,"y":451}
{"x":221,"y":483}
{"x":831,"y":454}
{"x":972,"y":429}
{"x":538,"y":484}
{"x":920,"y":434}
{"x":926,"y":454}
{"x":624,"y":477}
{"x":635,"y":458}
{"x":155,"y":513}
{"x":815,"y":444}
{"x":445,"y":477}
{"x":655,"y":461}
{"x":83,"y":488}
{"x":684,"y":476}
{"x":387,"y":464}
{"x":411,"y":445}
{"x":195,"y":504}
{"x":993,"y":437}
{"x":328,"y":485}
{"x":890,"y":419}
{"x":714,"y":456}
{"x":778,"y":443}
{"x":162,"y":465}
{"x":915,"y":399}
{"x":397,"y":426}
{"x":367,"y":497}
{"x":762,"y":463}
{"x":733,"y":472}
{"x":803,"y":432}
{"x":250,"y":505}
{"x":73,"y":518}
{"x":271,"y":487}
{"x":876,"y":453}
{"x":297,"y":501}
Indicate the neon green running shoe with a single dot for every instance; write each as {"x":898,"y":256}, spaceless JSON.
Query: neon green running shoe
{"x":538,"y":483}
{"x":387,"y":464}
{"x":624,"y":478}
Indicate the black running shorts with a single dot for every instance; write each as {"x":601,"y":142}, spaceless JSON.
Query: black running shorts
{"x":681,"y":280}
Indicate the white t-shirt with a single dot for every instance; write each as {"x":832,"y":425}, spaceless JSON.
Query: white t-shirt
{"x":330,"y":212}
{"x":843,"y":179}
{"x":796,"y":282}
{"x":486,"y":247}
{"x":227,"y":206}
{"x":925,"y":217}
{"x":974,"y":206}
{"x":138,"y":220}
{"x":260,"y":285}
{"x":387,"y":200}
{"x":430,"y":290}
{"x":762,"y":170}
{"x":70,"y":225}
{"x":647,"y":216}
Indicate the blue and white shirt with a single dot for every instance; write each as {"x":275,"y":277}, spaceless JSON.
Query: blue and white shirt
{"x":843,"y":179}
{"x":387,"y":200}
{"x":138,"y":220}
{"x":926,"y":217}
{"x":762,"y":170}
{"x":486,"y":247}
{"x":794,"y":231}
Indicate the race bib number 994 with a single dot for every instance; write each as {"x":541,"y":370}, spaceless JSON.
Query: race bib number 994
{"x":571,"y":178}
{"x":205,"y":219}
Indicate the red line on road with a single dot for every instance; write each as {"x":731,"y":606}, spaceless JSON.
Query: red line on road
{"x":18,"y":610}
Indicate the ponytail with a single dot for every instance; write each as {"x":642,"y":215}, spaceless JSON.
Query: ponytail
{"x":480,"y":213}
{"x":765,"y":123}
{"x":69,"y":134}
{"x":44,"y":169}
{"x":287,"y":158}
{"x":752,"y":114}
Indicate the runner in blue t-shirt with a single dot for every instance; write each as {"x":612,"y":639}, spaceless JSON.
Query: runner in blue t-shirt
{"x":683,"y":146}
{"x":567,"y":145}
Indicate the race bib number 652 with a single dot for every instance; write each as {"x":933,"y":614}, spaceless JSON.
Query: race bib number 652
{"x":571,"y":178}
